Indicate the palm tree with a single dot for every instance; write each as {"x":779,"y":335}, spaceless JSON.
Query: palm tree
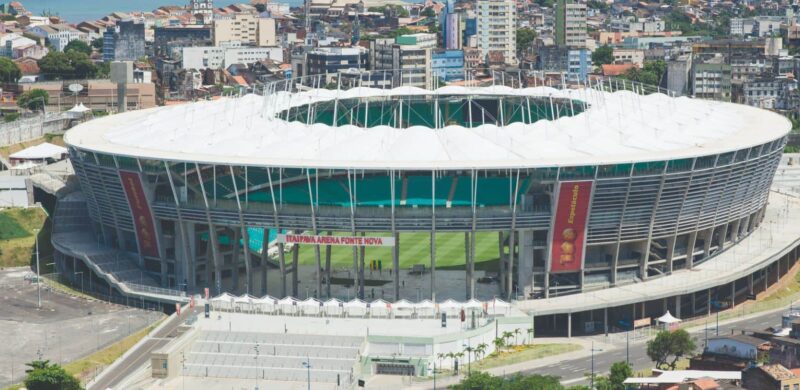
{"x":469,"y":350}
{"x":517,"y":332}
{"x":458,"y":356}
{"x":499,"y":343}
{"x":440,"y":356}
{"x":451,"y":356}
{"x":507,"y":336}
{"x":37,"y":365}
{"x":480,"y":350}
{"x":530,"y":335}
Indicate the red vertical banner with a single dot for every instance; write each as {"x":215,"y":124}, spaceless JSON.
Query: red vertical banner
{"x":569,"y":226}
{"x":140,"y":210}
{"x":178,"y":308}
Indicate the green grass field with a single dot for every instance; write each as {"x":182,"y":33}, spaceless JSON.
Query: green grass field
{"x":415,"y":248}
{"x":17,"y":227}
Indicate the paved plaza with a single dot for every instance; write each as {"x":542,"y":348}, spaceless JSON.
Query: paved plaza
{"x":65,"y":329}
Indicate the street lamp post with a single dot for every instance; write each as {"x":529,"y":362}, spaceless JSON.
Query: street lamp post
{"x":38,"y":272}
{"x":80,"y":272}
{"x":307,"y":365}
{"x":434,"y":375}
{"x":628,"y":347}
{"x":468,"y":348}
{"x":591,"y":379}
{"x":256,"y":358}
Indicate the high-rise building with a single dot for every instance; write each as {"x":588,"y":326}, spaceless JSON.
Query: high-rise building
{"x":451,"y":27}
{"x":407,"y":59}
{"x":124,"y":42}
{"x":453,"y":37}
{"x":571,"y":24}
{"x":497,"y":28}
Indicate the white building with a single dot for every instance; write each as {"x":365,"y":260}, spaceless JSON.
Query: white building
{"x":10,"y":42}
{"x":219,"y":57}
{"x":246,"y":28}
{"x":629,"y":56}
{"x":59,"y":35}
{"x":497,"y":28}
{"x":758,"y":26}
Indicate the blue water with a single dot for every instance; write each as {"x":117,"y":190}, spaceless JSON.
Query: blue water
{"x":76,"y":11}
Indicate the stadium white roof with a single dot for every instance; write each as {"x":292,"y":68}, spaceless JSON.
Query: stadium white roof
{"x":618,"y":127}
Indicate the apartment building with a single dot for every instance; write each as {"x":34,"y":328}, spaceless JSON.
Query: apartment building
{"x":246,"y":28}
{"x":406,"y":59}
{"x":571,"y":24}
{"x":220,"y":57}
{"x":497,"y":28}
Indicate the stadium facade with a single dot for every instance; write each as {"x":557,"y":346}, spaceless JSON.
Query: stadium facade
{"x":586,"y":186}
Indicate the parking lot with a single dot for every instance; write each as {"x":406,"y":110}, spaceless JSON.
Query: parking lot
{"x":65,"y":329}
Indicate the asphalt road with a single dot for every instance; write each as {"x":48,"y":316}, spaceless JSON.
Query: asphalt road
{"x":139,"y":356}
{"x":65,"y":329}
{"x":575,"y":371}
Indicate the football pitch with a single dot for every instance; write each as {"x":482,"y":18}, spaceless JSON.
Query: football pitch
{"x":415,"y":248}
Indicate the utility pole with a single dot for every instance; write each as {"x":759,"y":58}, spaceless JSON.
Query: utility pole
{"x":38,"y":272}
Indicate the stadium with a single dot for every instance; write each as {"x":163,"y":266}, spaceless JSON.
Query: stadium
{"x":507,"y":188}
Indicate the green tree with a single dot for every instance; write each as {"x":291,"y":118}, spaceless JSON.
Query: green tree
{"x":9,"y":71}
{"x":55,"y":65}
{"x":618,"y":373}
{"x":650,"y":74}
{"x":82,"y":65}
{"x":97,"y":43}
{"x":482,"y":380}
{"x":43,"y":375}
{"x":428,"y":13}
{"x":35,"y":99}
{"x":499,"y":343}
{"x":603,"y":55}
{"x":70,"y":65}
{"x":668,"y":347}
{"x":525,"y":37}
{"x":260,"y":7}
{"x":399,"y":31}
{"x":78,"y":45}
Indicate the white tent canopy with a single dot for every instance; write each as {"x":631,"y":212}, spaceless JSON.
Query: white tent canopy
{"x":333,"y":306}
{"x":42,"y":151}
{"x":79,"y":109}
{"x":379,"y":307}
{"x":310,"y":306}
{"x":668,"y":318}
{"x":356,"y":307}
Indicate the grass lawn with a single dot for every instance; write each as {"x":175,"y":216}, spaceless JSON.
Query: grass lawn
{"x":17,"y":240}
{"x":522,"y":353}
{"x":681,"y":364}
{"x":415,"y":249}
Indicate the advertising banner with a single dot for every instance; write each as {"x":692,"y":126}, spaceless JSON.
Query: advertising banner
{"x":569,"y":226}
{"x":335,"y":240}
{"x":142,"y":216}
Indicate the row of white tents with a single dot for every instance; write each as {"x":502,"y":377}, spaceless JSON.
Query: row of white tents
{"x":355,"y":307}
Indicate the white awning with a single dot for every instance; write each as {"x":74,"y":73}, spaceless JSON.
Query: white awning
{"x":79,"y":109}
{"x":333,"y":302}
{"x":668,"y":318}
{"x":40,"y":152}
{"x":355,"y":303}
